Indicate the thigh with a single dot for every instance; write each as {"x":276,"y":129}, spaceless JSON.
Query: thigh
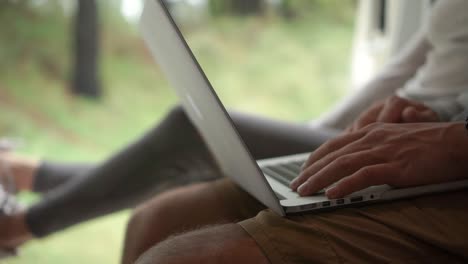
{"x":184,"y":209}
{"x":266,"y":137}
{"x":227,"y":244}
{"x":424,"y":229}
{"x":201,"y":204}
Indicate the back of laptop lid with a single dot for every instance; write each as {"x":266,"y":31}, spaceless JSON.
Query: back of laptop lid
{"x":201,"y":102}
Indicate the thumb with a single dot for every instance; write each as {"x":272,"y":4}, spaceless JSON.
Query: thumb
{"x":412,"y":115}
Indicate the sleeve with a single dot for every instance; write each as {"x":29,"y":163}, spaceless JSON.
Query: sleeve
{"x":462,"y":116}
{"x":393,"y":76}
{"x":462,"y":101}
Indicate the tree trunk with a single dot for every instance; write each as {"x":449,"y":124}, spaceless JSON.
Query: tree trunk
{"x":236,"y":7}
{"x":86,"y":50}
{"x":287,"y":11}
{"x":247,"y":7}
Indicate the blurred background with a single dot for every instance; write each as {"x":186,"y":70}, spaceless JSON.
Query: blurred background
{"x":77,"y":82}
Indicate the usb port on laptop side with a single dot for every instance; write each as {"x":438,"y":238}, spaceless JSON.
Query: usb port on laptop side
{"x":356,"y":199}
{"x":340,"y":201}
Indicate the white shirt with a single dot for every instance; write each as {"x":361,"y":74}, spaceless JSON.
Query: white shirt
{"x":442,"y":81}
{"x":432,"y":68}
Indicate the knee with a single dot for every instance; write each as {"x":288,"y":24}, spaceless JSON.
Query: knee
{"x":220,"y":244}
{"x":136,"y":219}
{"x":146,"y":227}
{"x":178,"y":124}
{"x":177,"y":115}
{"x":149,"y":216}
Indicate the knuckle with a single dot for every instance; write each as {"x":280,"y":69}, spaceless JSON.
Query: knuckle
{"x":363,"y":122}
{"x":416,"y":105}
{"x":328,"y":145}
{"x":325,"y":148}
{"x":377,"y":104}
{"x":395,"y":99}
{"x":376,"y":132}
{"x":366,"y":174}
{"x":344,"y":162}
{"x":302,"y":177}
{"x":312,"y":183}
{"x":307,"y":164}
{"x":308,"y":182}
{"x":336,"y":143}
{"x":396,"y":102}
{"x":374,"y":126}
{"x":306,"y":173}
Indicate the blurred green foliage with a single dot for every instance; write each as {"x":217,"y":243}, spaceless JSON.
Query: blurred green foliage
{"x":32,"y":33}
{"x":290,"y":9}
{"x":337,"y":9}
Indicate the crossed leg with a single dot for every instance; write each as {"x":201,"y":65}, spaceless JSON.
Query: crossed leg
{"x":219,"y":244}
{"x":189,"y":208}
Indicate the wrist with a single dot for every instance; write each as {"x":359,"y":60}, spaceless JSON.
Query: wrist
{"x":457,"y":140}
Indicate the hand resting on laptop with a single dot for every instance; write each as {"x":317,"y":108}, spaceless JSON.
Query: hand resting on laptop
{"x":400,"y":155}
{"x":394,"y":110}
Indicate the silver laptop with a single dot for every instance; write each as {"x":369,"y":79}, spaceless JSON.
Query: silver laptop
{"x":266,"y":180}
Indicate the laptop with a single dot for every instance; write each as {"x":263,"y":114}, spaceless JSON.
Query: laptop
{"x":266,"y":180}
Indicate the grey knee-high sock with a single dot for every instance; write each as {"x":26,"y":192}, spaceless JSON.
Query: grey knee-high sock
{"x":50,"y":174}
{"x":172,"y":154}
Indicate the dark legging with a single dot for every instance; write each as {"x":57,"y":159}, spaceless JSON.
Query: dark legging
{"x":172,"y":154}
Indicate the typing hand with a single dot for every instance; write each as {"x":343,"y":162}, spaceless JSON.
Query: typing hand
{"x":396,"y":154}
{"x":394,"y":110}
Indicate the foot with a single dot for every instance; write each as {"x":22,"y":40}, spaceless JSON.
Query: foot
{"x":18,"y":171}
{"x":13,"y":233}
{"x":13,"y":228}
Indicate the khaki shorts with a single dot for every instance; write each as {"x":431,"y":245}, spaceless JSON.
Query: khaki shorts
{"x":428,"y":229}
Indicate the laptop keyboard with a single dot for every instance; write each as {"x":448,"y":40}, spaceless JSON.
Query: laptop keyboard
{"x":285,"y":173}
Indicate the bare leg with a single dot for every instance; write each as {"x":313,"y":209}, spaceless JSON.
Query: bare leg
{"x":32,"y":174}
{"x":220,"y":244}
{"x":185,"y":209}
{"x":21,"y":169}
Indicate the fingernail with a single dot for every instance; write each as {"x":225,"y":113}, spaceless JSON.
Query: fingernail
{"x":301,"y":190}
{"x":292,"y":185}
{"x":332,"y":193}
